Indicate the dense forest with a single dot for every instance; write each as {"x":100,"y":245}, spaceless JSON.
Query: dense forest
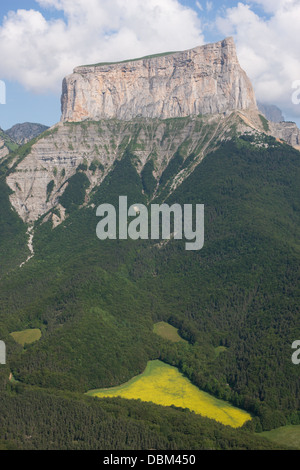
{"x":35,"y":419}
{"x":96,"y":303}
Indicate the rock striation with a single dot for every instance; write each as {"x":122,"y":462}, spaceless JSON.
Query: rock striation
{"x":39,"y":180}
{"x":204,"y":80}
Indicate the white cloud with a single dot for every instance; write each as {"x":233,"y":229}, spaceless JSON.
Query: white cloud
{"x":209,"y":6}
{"x":38,"y":53}
{"x":272,"y":6}
{"x":268,"y":49}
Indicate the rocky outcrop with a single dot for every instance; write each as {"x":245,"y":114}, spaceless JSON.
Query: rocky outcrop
{"x":286,"y":131}
{"x":41,"y":177}
{"x":23,"y":133}
{"x":3,"y":149}
{"x":6,"y":144}
{"x":204,"y":80}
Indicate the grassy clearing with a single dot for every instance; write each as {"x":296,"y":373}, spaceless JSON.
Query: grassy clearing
{"x":167,"y":331}
{"x":153,"y":56}
{"x":264,"y":123}
{"x":165,"y":385}
{"x":219,"y":350}
{"x":287,"y":436}
{"x":26,"y":336}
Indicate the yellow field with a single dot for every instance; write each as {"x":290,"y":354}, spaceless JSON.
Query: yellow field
{"x":26,"y":336}
{"x":165,"y":385}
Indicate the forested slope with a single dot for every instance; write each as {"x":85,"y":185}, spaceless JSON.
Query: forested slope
{"x":235,"y":301}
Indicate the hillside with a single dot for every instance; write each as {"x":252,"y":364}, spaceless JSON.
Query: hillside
{"x":6,"y":144}
{"x":95,"y":299}
{"x":93,"y":306}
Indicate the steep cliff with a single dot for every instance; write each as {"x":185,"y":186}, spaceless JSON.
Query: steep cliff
{"x":203,"y":80}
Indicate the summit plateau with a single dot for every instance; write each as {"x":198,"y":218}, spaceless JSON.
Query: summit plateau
{"x":204,"y":80}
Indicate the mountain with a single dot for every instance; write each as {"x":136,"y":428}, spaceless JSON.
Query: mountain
{"x":161,"y":147}
{"x":204,"y":80}
{"x":95,"y":303}
{"x":271,"y":112}
{"x":23,"y":133}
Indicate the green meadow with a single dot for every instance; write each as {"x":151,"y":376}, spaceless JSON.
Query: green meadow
{"x":288,"y":436}
{"x":26,"y":336}
{"x":167,"y":331}
{"x":165,"y":385}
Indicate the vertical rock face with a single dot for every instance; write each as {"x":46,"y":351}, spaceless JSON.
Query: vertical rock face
{"x":287,"y":131}
{"x":204,"y":80}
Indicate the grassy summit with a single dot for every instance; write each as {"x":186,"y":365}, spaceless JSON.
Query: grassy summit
{"x":153,"y":56}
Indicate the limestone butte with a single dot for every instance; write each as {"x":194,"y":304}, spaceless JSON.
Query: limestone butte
{"x":204,"y":80}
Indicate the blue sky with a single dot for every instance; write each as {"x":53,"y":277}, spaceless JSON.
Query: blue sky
{"x":41,"y":41}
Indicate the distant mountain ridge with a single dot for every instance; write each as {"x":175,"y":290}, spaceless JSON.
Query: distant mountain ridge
{"x":23,"y":133}
{"x":271,"y":112}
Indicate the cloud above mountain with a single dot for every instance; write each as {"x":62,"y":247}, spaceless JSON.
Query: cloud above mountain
{"x":38,"y":53}
{"x":268,"y":47}
{"x":39,"y":49}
